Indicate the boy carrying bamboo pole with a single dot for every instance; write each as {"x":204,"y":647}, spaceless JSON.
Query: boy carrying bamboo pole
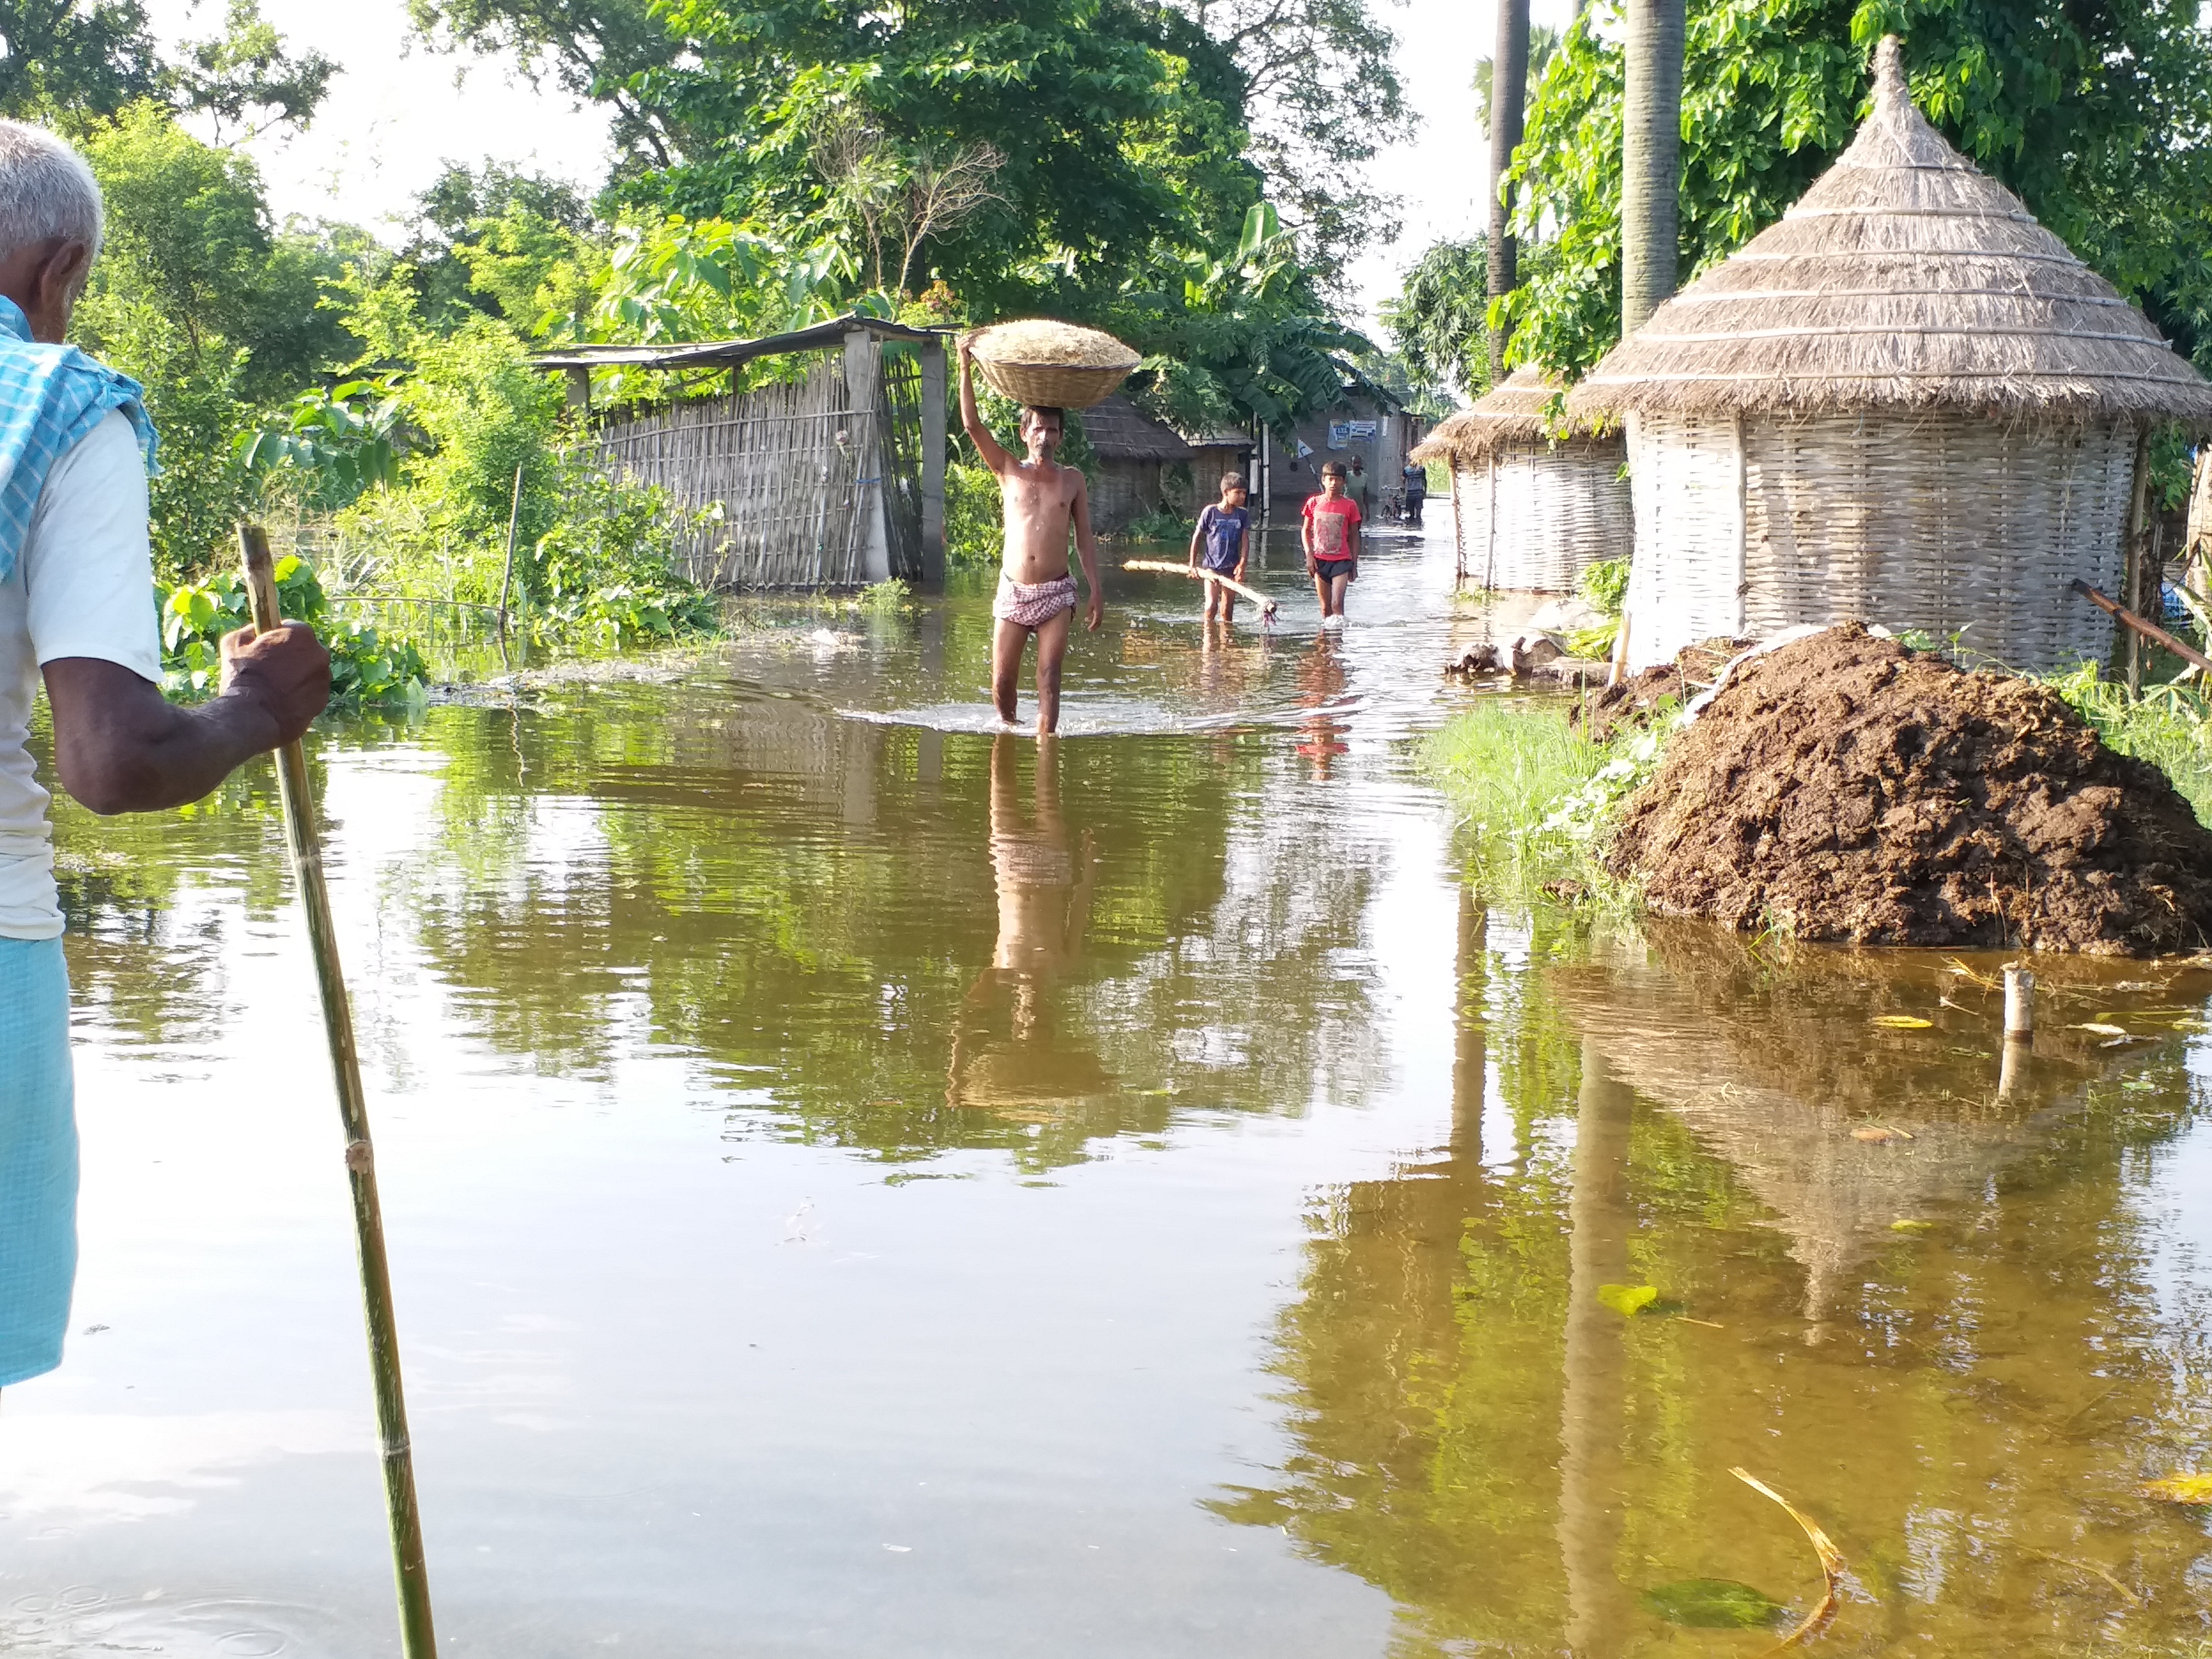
{"x":1223,"y":533}
{"x":1043,"y":502}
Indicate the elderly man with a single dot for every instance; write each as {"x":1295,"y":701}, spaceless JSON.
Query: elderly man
{"x":76,"y":607}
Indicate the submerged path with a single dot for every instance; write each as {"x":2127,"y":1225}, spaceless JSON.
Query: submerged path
{"x":860,"y":1185}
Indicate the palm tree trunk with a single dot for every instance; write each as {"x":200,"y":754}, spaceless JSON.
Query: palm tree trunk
{"x":1650,"y":160}
{"x":1508,"y":93}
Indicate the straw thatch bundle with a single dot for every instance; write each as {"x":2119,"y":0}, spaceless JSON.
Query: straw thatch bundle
{"x":1906,"y":402}
{"x":1531,"y":509}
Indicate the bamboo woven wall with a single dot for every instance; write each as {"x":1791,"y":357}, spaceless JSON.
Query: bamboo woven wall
{"x":1944,"y":522}
{"x":781,"y":469}
{"x":1535,"y":515}
{"x":1940,"y":522}
{"x":1686,"y":476}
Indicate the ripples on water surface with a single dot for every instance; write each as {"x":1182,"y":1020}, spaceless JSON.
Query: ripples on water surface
{"x":858,"y":1186}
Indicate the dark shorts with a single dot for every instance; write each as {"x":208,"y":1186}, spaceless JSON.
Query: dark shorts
{"x":1329,"y":569}
{"x":1220,"y":566}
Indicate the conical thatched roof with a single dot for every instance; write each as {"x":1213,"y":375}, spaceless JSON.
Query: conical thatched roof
{"x":1511,"y":411}
{"x":1905,"y":279}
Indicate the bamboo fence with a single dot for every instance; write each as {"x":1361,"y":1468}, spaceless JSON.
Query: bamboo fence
{"x":781,"y":478}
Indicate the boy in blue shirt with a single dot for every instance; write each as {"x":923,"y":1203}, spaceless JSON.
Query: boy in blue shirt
{"x":1219,"y":542}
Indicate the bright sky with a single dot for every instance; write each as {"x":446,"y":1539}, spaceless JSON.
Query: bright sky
{"x":1444,"y":172}
{"x":396,"y":115}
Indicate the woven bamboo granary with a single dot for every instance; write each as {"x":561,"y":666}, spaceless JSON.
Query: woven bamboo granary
{"x":1530,"y":511}
{"x":1905,"y":403}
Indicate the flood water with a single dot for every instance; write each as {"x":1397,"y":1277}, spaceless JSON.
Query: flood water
{"x":860,"y":1185}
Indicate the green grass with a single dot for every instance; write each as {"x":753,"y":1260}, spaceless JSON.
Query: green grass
{"x":2168,"y":725}
{"x":1536,"y":803}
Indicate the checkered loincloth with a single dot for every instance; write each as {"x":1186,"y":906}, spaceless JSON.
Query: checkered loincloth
{"x":1032,"y":604}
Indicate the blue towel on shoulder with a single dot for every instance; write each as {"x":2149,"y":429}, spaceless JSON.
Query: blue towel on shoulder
{"x":51,"y":398}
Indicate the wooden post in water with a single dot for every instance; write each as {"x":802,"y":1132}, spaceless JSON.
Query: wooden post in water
{"x":506,"y":570}
{"x":2019,"y":1005}
{"x":2019,"y":1028}
{"x":416,"y":1638}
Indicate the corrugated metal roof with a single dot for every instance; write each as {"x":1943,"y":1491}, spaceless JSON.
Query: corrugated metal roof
{"x":1120,"y":431}
{"x":728,"y":354}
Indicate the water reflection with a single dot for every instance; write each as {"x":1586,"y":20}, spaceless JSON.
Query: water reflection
{"x":1321,"y":684}
{"x":1946,"y":1347}
{"x":1044,"y":883}
{"x":1259,"y":1310}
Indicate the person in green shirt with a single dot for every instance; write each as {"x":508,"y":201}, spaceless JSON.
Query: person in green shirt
{"x":1358,"y":485}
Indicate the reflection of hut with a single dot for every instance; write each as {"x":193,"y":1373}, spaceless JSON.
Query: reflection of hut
{"x":831,"y":476}
{"x":1134,"y":451}
{"x":1774,"y":1073}
{"x":1530,"y":513}
{"x":1905,"y":403}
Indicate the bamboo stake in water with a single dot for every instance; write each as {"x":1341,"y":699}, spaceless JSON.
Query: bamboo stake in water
{"x":416,"y":1638}
{"x":506,"y":570}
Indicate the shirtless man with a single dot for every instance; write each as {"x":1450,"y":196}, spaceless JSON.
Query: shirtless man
{"x":1042,"y":501}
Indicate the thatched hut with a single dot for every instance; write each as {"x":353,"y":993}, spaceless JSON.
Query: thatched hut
{"x":1529,"y":511}
{"x":1906,"y":402}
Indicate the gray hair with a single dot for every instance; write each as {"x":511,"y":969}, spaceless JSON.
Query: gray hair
{"x":47,"y":190}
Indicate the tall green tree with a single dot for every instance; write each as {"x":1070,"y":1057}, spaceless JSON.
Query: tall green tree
{"x":2099,"y":115}
{"x":1321,"y":97}
{"x":1120,"y":127}
{"x":1439,"y":318}
{"x":196,"y":296}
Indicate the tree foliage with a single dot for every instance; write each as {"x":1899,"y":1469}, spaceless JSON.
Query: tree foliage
{"x":2098,"y":112}
{"x":195,"y":296}
{"x":1320,"y":98}
{"x":1437,"y":317}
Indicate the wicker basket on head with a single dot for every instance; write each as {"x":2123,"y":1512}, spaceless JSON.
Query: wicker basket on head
{"x":1052,"y":365}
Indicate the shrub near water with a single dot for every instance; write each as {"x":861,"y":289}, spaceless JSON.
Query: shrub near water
{"x":365,"y":668}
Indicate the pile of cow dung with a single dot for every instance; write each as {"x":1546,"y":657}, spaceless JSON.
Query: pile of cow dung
{"x":1844,"y":788}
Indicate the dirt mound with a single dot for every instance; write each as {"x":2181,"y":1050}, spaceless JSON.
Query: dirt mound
{"x":1693,"y":669}
{"x":1844,"y":788}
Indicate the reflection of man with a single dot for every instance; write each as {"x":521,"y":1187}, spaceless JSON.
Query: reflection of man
{"x":75,"y":580}
{"x":1044,"y":905}
{"x":1321,"y":679}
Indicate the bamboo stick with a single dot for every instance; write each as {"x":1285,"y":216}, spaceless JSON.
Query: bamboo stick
{"x":2150,"y":631}
{"x":1197,"y":573}
{"x":416,"y":1638}
{"x":506,"y":570}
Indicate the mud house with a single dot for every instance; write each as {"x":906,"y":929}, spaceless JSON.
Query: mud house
{"x":1366,"y":422}
{"x":1530,"y":511}
{"x":1140,"y":462}
{"x":1906,"y":402}
{"x":821,"y":464}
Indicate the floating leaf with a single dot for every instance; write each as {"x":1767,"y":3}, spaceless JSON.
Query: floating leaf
{"x":1903,"y":1022}
{"x":1628,"y":1300}
{"x":1902,"y":1225}
{"x":1712,"y":1604}
{"x":1878,"y":1133}
{"x":2100,"y":1029}
{"x":2180,"y":1489}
